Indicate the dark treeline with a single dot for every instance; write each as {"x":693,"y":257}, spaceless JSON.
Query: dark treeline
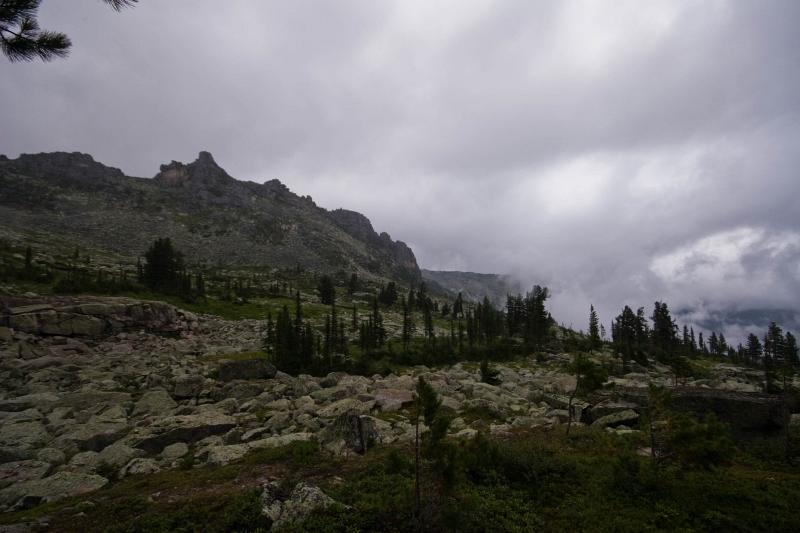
{"x":432,"y":331}
{"x":634,"y":339}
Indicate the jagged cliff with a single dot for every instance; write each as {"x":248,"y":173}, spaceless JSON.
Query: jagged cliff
{"x":214,"y":218}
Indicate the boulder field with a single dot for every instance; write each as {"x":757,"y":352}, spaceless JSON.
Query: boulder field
{"x":100,"y":388}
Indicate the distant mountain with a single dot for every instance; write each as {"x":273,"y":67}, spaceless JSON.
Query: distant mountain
{"x":473,"y":286}
{"x":212,"y":217}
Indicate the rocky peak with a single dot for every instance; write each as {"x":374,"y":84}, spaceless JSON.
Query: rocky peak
{"x":62,"y":167}
{"x":353,"y":223}
{"x":203,"y":173}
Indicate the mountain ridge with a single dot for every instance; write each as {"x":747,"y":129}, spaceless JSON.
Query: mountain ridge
{"x":213,"y":217}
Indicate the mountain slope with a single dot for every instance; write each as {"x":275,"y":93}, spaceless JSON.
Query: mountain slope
{"x":214,"y":219}
{"x":473,"y":286}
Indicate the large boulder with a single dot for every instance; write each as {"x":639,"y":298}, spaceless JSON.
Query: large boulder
{"x":19,"y":440}
{"x":297,"y":506}
{"x":224,"y":454}
{"x":609,"y":407}
{"x":42,"y":401}
{"x":627,"y":417}
{"x":347,"y":405}
{"x":188,"y":386}
{"x":350,"y":432}
{"x":49,"y":489}
{"x":139,"y":466}
{"x":22,"y":471}
{"x":95,"y":434}
{"x":247,"y":369}
{"x":393,"y":399}
{"x":93,"y":399}
{"x":155,"y":402}
{"x":185,"y":428}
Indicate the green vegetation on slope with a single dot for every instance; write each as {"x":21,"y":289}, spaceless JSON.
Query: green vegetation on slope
{"x":533,"y":481}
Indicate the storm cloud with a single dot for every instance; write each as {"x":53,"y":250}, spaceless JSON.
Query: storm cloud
{"x":619,"y":152}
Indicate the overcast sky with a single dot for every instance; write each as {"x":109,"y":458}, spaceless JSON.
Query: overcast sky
{"x":617,"y":151}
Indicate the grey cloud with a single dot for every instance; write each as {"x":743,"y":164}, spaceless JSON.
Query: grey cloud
{"x":567,"y":143}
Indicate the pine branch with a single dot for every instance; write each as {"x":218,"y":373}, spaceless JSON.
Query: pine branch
{"x":13,"y":12}
{"x":118,"y":5}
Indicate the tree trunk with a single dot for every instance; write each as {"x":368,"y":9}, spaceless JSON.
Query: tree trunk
{"x":417,"y":500}
{"x":570,"y":409}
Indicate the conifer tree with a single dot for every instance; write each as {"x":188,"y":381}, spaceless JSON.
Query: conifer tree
{"x":28,"y":260}
{"x":594,"y":331}
{"x":790,"y":349}
{"x":163,"y":267}
{"x":754,"y":350}
{"x":326,"y":290}
{"x":458,"y":306}
{"x":352,"y":284}
{"x":408,"y":325}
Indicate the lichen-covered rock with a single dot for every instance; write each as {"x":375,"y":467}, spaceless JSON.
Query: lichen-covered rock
{"x":303,"y":500}
{"x":342,"y":406}
{"x":174,"y":451}
{"x":155,"y":402}
{"x":60,"y":485}
{"x":96,"y":434}
{"x":350,"y":432}
{"x":22,"y":471}
{"x":19,"y":440}
{"x":187,"y":386}
{"x":626,"y":417}
{"x":185,"y":428}
{"x":139,"y":466}
{"x":393,"y":399}
{"x":224,"y":454}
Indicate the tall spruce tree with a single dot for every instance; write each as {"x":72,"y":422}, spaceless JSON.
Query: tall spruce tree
{"x":326,"y":290}
{"x":594,"y":331}
{"x":163,"y":268}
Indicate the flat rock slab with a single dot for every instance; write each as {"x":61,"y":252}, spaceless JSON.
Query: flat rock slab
{"x":626,"y":417}
{"x":185,"y":428}
{"x":35,"y":308}
{"x":222,"y":455}
{"x":393,"y":399}
{"x":22,"y":471}
{"x":49,"y":489}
